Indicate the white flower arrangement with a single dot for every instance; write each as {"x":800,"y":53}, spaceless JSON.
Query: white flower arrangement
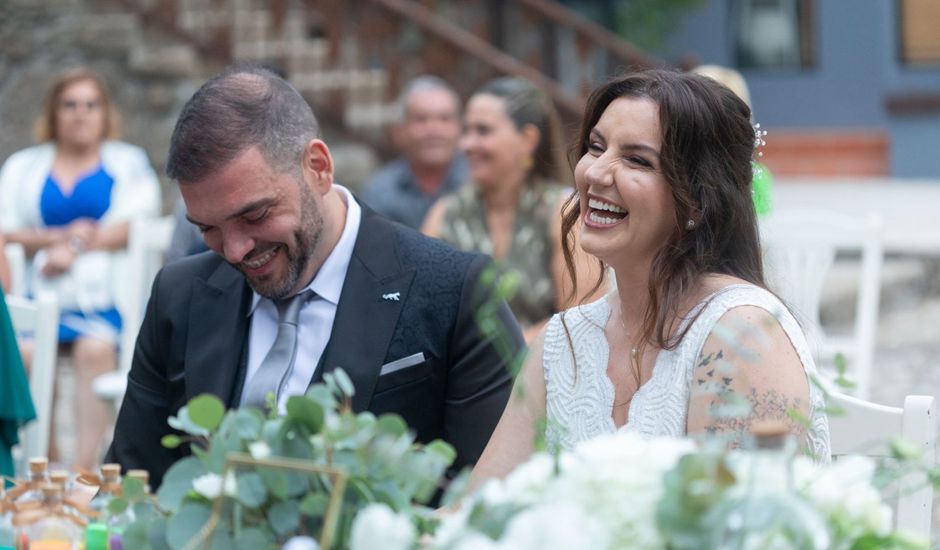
{"x":625,"y":491}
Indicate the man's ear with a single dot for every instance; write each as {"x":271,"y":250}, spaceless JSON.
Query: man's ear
{"x":317,"y":165}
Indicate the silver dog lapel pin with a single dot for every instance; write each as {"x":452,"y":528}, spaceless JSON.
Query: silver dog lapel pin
{"x":395,"y":296}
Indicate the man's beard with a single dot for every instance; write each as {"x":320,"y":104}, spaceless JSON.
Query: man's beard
{"x":307,"y":238}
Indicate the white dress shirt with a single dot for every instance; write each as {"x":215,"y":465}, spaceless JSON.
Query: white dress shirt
{"x":315,"y":324}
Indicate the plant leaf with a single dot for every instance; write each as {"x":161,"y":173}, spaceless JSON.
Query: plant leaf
{"x":254,"y":538}
{"x":284,"y":517}
{"x":171,"y":441}
{"x":206,"y":411}
{"x":314,"y":504}
{"x":251,"y":490}
{"x":306,"y":412}
{"x":178,"y":481}
{"x":344,"y":383}
{"x":183,"y":526}
{"x":275,"y":481}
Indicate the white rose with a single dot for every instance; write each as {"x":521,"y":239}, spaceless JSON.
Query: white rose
{"x":553,"y":526}
{"x":259,"y":450}
{"x":378,"y":527}
{"x":301,"y":543}
{"x":209,"y":485}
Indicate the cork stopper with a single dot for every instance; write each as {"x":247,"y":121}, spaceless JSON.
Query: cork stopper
{"x":60,"y":477}
{"x":110,"y":472}
{"x":769,"y":434}
{"x":142,"y":476}
{"x":38,"y":465}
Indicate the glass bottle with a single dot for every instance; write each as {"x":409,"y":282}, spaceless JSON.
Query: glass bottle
{"x":118,"y":523}
{"x":110,"y":486}
{"x":38,"y":474}
{"x":763,"y":511}
{"x":55,"y":530}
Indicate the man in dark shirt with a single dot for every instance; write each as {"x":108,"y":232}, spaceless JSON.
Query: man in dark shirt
{"x":430,"y":166}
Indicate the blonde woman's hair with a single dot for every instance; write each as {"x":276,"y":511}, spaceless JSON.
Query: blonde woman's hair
{"x":44,"y":129}
{"x":730,"y":78}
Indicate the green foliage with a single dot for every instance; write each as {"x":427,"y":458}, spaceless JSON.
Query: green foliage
{"x":691,"y":489}
{"x":262,"y":506}
{"x":646,"y":23}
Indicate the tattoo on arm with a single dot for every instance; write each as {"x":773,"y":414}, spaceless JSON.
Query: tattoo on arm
{"x":731,"y":413}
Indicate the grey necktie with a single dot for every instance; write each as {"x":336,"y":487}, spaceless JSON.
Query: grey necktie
{"x":275,"y":369}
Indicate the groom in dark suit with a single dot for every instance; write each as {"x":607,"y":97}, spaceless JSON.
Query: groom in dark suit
{"x":301,"y":280}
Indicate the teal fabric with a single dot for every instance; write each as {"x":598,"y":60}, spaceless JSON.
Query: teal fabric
{"x":16,"y":404}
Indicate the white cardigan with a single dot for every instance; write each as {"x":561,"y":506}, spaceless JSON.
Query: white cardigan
{"x":135,"y":194}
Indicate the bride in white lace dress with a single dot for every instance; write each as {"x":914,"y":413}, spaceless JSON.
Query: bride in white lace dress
{"x":690,"y":341}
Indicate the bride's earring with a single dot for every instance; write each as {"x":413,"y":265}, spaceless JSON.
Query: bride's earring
{"x":690,"y":225}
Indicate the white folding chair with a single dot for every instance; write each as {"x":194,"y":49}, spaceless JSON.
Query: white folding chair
{"x":40,"y":317}
{"x":800,"y":247}
{"x":866,"y":429}
{"x":16,"y":259}
{"x":147,"y":242}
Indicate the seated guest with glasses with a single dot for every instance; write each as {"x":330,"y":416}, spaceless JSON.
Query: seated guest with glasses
{"x":301,"y":280}
{"x":69,"y":202}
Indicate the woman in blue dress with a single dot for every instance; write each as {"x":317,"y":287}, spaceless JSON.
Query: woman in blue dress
{"x":69,"y":201}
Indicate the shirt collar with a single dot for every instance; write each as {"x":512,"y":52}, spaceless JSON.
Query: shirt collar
{"x":328,"y":282}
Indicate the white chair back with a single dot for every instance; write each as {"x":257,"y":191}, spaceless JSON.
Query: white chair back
{"x":147,"y":243}
{"x":866,"y":429}
{"x":16,"y":259}
{"x":800,"y":247}
{"x":41,"y":318}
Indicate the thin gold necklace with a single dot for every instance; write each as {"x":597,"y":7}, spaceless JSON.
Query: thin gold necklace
{"x":633,"y":365}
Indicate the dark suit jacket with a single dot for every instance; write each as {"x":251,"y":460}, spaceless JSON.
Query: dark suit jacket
{"x":194,"y":337}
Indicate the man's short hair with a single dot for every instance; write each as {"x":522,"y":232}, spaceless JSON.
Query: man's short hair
{"x":244,"y":106}
{"x":423,"y":83}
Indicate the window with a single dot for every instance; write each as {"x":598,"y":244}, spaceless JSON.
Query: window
{"x":920,"y":38}
{"x":773,"y":34}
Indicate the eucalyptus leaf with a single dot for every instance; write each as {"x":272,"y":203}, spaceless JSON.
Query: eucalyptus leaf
{"x":178,"y":481}
{"x":251,"y":490}
{"x":284,"y":517}
{"x":314,"y":504}
{"x":171,"y":441}
{"x":254,"y":538}
{"x":184,"y":525}
{"x":132,"y":488}
{"x":275,"y":481}
{"x":226,"y":441}
{"x":135,"y":535}
{"x":442,"y":449}
{"x":344,"y":382}
{"x":391,"y":424}
{"x":184,"y":423}
{"x":116,"y":506}
{"x":248,"y":422}
{"x":156,"y":534}
{"x":206,"y":411}
{"x":305,"y":411}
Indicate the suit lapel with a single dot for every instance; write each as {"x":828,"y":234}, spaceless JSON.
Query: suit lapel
{"x":218,"y":323}
{"x":370,"y":304}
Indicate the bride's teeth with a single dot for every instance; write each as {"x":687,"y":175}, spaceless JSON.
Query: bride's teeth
{"x":599,"y":205}
{"x":597,"y":218}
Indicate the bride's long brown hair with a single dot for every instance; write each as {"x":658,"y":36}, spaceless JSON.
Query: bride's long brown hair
{"x":706,"y":154}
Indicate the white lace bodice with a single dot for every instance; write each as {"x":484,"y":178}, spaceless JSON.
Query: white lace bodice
{"x":579,"y":406}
